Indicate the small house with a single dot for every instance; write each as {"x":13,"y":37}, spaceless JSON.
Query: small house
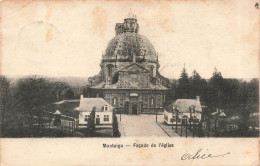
{"x":183,"y":108}
{"x":103,"y":111}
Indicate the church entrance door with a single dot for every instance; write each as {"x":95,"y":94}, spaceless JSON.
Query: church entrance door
{"x":134,"y":108}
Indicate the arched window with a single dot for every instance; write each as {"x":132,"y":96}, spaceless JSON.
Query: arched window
{"x":109,"y":69}
{"x":151,"y":101}
{"x":151,"y":69}
{"x":114,"y":101}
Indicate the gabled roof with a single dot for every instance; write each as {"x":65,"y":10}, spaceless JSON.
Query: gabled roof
{"x":87,"y":104}
{"x":66,"y":101}
{"x":220,"y":113}
{"x":183,"y":105}
{"x":57,"y":112}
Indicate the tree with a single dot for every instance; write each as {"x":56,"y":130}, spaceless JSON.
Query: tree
{"x":34,"y":94}
{"x":91,"y":123}
{"x":69,"y":94}
{"x":215,"y":96}
{"x":116,"y":132}
{"x":248,"y":103}
{"x":60,"y":88}
{"x":171,"y":95}
{"x":197,"y":85}
{"x":8,"y":107}
{"x":216,"y":81}
{"x":84,"y":92}
{"x":230,"y":93}
{"x":183,"y":89}
{"x":253,"y":95}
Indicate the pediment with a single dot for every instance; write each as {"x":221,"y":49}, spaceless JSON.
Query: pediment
{"x":134,"y":68}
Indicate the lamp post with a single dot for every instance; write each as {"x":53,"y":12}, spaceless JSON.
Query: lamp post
{"x":193,"y":128}
{"x":181,"y":126}
{"x":202,"y":120}
{"x":120,"y":114}
{"x":172,"y":119}
{"x":156,"y":115}
{"x":215,"y":127}
{"x":176,"y":110}
{"x":222,"y":116}
{"x":191,"y":109}
{"x":186,"y":122}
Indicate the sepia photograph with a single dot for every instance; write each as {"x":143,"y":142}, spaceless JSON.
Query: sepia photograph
{"x":164,"y":70}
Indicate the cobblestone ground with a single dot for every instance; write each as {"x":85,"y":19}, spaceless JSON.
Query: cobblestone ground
{"x":140,"y":126}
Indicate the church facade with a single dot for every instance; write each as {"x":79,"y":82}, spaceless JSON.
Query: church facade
{"x":129,"y":79}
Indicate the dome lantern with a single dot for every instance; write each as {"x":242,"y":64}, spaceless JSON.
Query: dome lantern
{"x":130,"y":25}
{"x":128,"y":41}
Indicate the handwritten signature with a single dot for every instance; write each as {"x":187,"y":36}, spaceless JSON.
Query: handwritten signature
{"x":200,"y":155}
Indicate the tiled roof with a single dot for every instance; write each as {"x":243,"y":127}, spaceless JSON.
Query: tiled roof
{"x":87,"y":104}
{"x":66,"y":101}
{"x":183,"y":105}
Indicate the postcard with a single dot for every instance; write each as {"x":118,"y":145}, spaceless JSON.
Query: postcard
{"x":129,"y":82}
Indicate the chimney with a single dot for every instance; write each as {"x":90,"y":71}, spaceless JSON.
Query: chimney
{"x":198,"y":98}
{"x":81,"y":96}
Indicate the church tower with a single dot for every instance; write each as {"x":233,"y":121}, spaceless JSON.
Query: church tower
{"x":129,"y":78}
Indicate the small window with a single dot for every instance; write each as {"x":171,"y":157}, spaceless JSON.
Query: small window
{"x":121,"y":102}
{"x":86,"y":118}
{"x":173,"y":119}
{"x":105,"y":108}
{"x":106,"y":118}
{"x":114,"y":101}
{"x":152,"y":101}
{"x":110,"y":70}
{"x":97,"y":116}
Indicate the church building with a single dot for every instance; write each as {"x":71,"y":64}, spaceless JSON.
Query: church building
{"x":129,"y":79}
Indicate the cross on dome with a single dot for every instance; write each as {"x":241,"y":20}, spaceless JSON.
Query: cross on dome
{"x":131,"y":15}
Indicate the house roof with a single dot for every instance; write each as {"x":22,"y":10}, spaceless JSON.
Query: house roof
{"x":183,"y":105}
{"x":220,"y":113}
{"x":87,"y":104}
{"x":57,"y":112}
{"x":66,"y":101}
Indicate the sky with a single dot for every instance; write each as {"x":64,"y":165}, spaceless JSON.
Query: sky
{"x":66,"y":38}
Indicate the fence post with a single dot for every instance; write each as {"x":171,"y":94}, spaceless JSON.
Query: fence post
{"x":176,"y":122}
{"x":190,"y":119}
{"x":186,"y":126}
{"x":172,"y":119}
{"x":215,"y":127}
{"x":208,"y":127}
{"x":120,"y":114}
{"x":181,"y":127}
{"x":156,"y":116}
{"x":193,"y":126}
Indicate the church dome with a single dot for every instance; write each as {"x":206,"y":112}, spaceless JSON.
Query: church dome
{"x":123,"y":46}
{"x":128,"y":44}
